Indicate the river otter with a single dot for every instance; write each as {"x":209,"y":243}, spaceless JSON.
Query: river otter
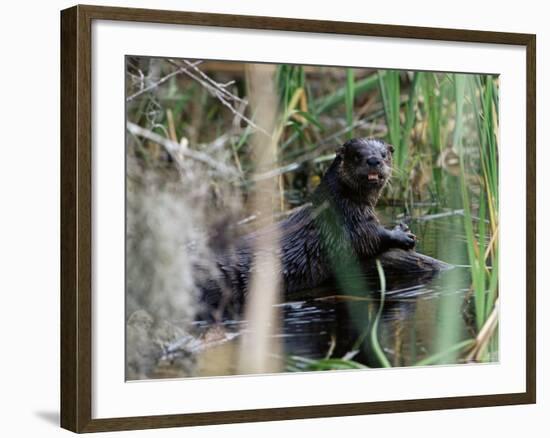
{"x":337,"y":228}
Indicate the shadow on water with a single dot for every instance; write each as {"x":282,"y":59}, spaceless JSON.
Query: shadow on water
{"x":326,"y":322}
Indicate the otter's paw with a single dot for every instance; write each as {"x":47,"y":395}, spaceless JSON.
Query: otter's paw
{"x":401,"y":226}
{"x":404,"y":239}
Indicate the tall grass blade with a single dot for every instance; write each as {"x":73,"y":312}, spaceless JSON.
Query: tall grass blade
{"x":350,"y":96}
{"x":374,"y":331}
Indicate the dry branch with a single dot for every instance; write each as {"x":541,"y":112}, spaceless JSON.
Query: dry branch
{"x":180,"y":70}
{"x":177,"y":152}
{"x":220,"y":92}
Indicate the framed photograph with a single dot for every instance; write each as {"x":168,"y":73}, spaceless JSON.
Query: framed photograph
{"x":267,"y":218}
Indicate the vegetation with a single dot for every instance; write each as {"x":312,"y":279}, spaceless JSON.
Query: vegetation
{"x":443,"y":126}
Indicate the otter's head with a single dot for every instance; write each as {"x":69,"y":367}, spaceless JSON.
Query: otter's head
{"x":365,"y":165}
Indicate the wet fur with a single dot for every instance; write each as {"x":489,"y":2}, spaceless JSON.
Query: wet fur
{"x":338,"y":225}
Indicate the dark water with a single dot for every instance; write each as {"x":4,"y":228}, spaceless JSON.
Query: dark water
{"x":421,"y":315}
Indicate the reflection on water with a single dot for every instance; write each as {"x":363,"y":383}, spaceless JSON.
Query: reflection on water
{"x":419,"y":313}
{"x":406,"y":328}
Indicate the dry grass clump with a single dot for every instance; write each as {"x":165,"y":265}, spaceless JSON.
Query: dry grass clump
{"x":173,"y":207}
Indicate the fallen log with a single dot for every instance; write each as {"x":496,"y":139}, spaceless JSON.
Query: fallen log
{"x":399,"y":261}
{"x":402,"y":269}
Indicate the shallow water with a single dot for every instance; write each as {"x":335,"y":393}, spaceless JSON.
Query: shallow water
{"x":421,"y":315}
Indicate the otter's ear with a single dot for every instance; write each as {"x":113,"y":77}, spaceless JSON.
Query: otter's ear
{"x":390,"y":148}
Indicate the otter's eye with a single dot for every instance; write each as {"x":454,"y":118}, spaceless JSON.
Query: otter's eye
{"x":384,"y":154}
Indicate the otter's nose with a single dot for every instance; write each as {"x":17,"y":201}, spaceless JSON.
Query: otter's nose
{"x":373,"y":161}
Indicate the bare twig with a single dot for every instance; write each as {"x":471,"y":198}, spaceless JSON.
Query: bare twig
{"x":176,"y":151}
{"x":221,"y":87}
{"x":327,"y":143}
{"x":171,"y":126}
{"x":219,"y":92}
{"x":443,"y":214}
{"x":275,"y":172}
{"x":180,"y":70}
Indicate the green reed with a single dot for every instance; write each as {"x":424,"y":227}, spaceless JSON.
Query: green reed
{"x":455,"y":115}
{"x":350,"y":96}
{"x":428,"y":117}
{"x":481,"y":232}
{"x":400,"y":113}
